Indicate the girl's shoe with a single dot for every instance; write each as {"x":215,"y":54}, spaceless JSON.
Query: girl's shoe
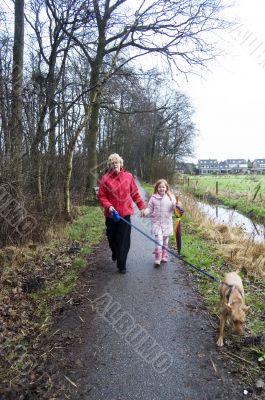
{"x":164,"y":256}
{"x":158,"y":257}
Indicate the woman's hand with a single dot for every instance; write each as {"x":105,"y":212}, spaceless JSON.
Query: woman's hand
{"x":111,"y":209}
{"x":142,"y":212}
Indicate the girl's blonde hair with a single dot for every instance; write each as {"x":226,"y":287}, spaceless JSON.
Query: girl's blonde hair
{"x":114,"y":157}
{"x":168,"y":192}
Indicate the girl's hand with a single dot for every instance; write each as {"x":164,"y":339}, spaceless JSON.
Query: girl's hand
{"x":111,"y":209}
{"x":142,"y":213}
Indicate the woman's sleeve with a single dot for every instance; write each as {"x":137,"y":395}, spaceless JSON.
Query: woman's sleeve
{"x":136,"y":196}
{"x":102,"y":196}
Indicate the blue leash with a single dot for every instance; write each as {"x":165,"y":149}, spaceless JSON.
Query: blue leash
{"x":117,"y":217}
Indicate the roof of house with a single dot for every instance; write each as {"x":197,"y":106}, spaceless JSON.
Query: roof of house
{"x":209,"y":161}
{"x":260,"y":160}
{"x":223,"y":164}
{"x":236,"y":160}
{"x":231,"y":163}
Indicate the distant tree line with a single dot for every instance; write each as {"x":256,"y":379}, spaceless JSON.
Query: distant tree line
{"x":70,"y":93}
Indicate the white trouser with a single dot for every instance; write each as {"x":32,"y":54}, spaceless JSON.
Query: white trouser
{"x":162,"y":240}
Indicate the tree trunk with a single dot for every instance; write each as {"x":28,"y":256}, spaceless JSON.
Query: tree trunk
{"x":91,"y":133}
{"x":69,"y":162}
{"x":91,"y":139}
{"x":6,"y":143}
{"x":51,"y":89}
{"x":67,"y":180}
{"x":39,"y":181}
{"x":17,"y":102}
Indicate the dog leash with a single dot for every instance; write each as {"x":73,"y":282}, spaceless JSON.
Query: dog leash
{"x":117,"y":217}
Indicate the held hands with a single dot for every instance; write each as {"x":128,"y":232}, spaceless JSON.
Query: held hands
{"x":142,"y":213}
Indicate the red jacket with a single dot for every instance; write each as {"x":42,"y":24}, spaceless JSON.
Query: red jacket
{"x":118,"y":190}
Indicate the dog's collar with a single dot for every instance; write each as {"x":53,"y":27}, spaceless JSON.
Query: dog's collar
{"x":231,"y":287}
{"x":229,"y":292}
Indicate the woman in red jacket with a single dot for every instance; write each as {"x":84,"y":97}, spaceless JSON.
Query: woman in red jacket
{"x":117,"y":191}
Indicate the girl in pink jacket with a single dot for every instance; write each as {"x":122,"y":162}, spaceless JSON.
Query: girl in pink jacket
{"x":160,"y":207}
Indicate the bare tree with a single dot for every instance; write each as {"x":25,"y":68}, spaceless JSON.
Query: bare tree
{"x":17,"y":101}
{"x":83,"y":95}
{"x":178,"y":30}
{"x":5,"y":73}
{"x":151,"y":136}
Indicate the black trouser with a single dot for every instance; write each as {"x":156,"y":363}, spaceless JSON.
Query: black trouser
{"x":119,"y":237}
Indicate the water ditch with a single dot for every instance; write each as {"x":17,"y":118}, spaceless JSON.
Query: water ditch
{"x":227,"y":216}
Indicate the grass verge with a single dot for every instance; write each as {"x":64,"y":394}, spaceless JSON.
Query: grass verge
{"x":35,"y":284}
{"x":247,"y":351}
{"x":244,"y":193}
{"x":205,"y":254}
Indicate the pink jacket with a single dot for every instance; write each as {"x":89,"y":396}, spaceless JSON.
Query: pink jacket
{"x":160,"y":209}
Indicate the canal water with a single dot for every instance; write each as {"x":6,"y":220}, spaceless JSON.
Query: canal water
{"x":223,"y":215}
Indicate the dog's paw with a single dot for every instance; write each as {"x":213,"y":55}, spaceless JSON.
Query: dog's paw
{"x":220,"y":342}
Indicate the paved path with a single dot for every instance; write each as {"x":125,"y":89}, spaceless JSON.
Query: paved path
{"x":161,"y":304}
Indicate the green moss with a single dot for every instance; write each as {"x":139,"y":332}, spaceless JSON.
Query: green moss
{"x":88,"y":231}
{"x":88,"y":227}
{"x":63,"y":287}
{"x":256,"y":327}
{"x":81,"y":263}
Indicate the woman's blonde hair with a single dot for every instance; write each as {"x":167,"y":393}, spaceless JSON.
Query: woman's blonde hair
{"x":168,"y":192}
{"x":114,"y":157}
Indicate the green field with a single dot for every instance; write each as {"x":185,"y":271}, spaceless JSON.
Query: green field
{"x":246,"y":193}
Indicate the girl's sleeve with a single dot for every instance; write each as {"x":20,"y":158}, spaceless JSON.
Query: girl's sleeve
{"x":150,"y":208}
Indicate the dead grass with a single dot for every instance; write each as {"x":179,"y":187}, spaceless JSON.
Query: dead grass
{"x":34,"y":280}
{"x":238,"y":250}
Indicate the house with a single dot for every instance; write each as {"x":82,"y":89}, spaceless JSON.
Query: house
{"x":223,"y":167}
{"x":208,"y":166}
{"x":237,"y":165}
{"x":259,"y":166}
{"x":231,"y":166}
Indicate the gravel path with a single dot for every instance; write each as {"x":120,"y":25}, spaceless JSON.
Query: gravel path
{"x":156,"y":341}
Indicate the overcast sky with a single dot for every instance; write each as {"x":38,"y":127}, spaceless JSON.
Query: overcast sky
{"x":230,"y":99}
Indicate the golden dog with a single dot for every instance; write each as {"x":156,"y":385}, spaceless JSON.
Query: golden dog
{"x":233,"y":306}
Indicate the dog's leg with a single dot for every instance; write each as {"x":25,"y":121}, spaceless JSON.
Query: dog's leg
{"x":220,"y":341}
